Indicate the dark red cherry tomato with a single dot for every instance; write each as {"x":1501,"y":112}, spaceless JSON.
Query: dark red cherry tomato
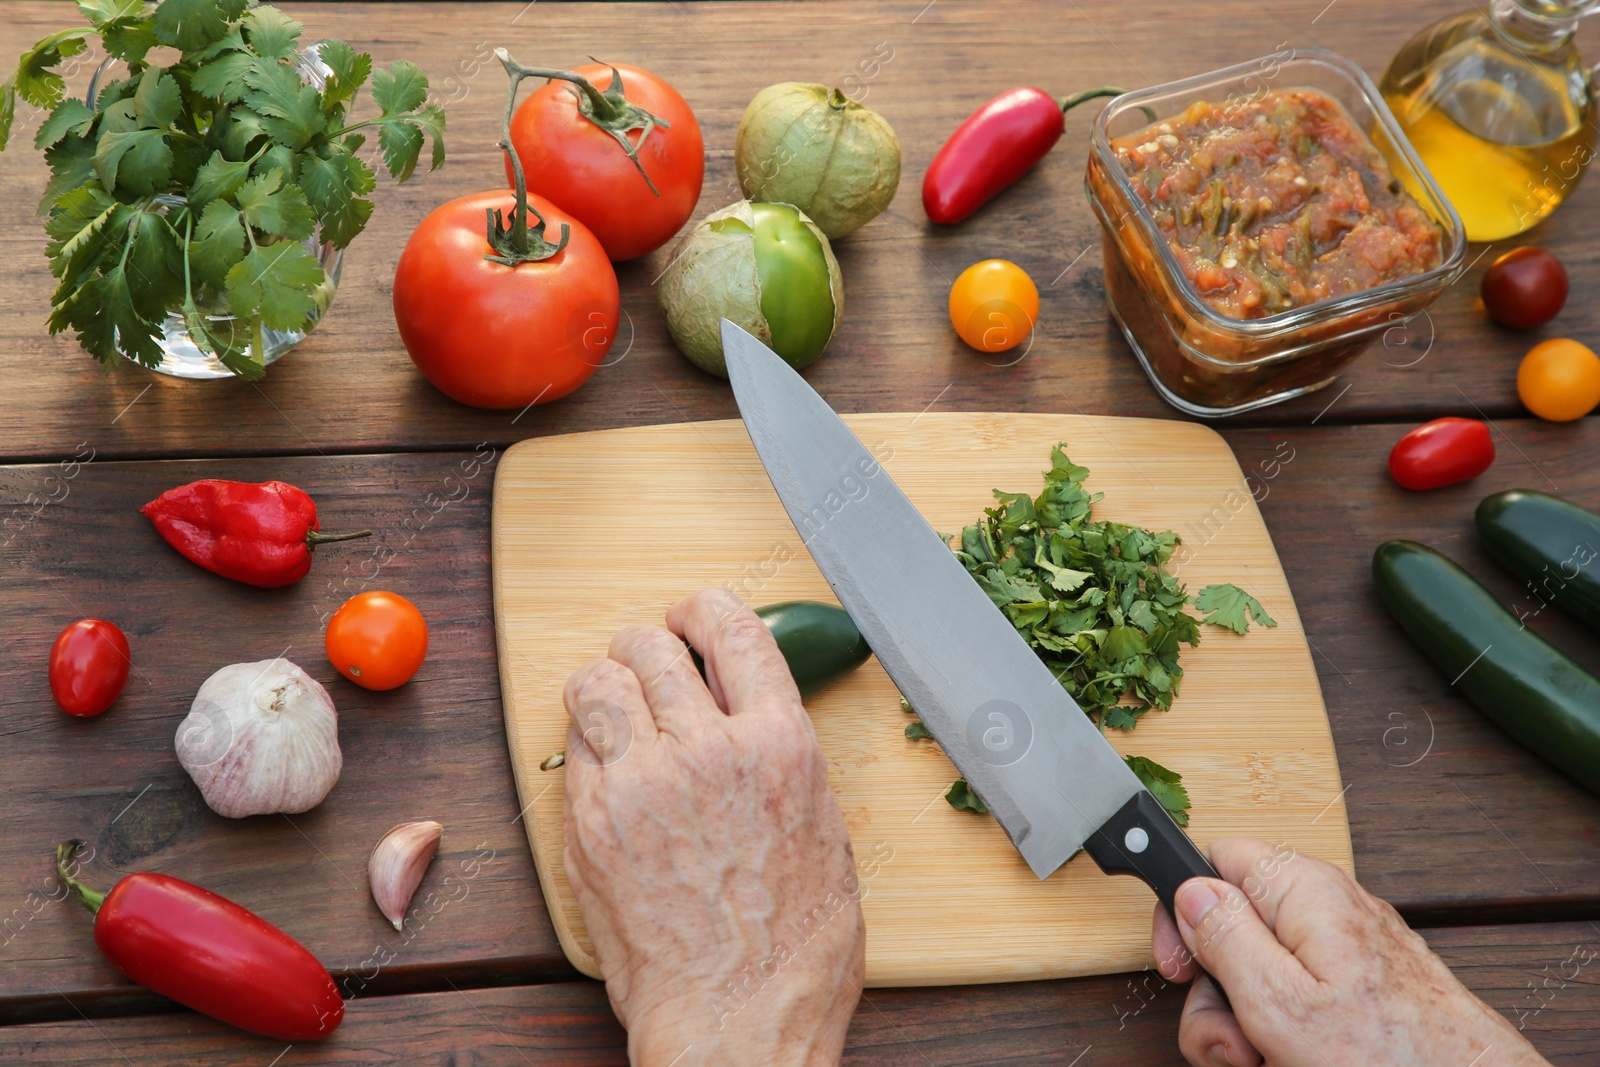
{"x":1442,"y":452}
{"x":1524,"y":288}
{"x":88,"y":667}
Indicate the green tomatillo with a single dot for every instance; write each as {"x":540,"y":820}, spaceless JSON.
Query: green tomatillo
{"x":766,"y":267}
{"x":815,"y":148}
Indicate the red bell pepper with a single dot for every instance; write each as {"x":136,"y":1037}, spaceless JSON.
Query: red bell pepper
{"x":209,"y":954}
{"x":261,"y":534}
{"x":993,"y":148}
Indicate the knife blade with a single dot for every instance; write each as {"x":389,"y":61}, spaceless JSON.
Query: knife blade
{"x":1036,"y":760}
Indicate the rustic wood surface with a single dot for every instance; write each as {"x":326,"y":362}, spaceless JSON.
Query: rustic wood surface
{"x":1451,"y":821}
{"x":1258,"y":759}
{"x":1540,"y":976}
{"x":350,"y":387}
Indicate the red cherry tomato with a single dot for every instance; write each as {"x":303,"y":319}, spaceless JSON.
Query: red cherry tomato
{"x":574,"y":163}
{"x":88,"y":667}
{"x":495,"y":336}
{"x":1524,"y":288}
{"x":1442,"y":452}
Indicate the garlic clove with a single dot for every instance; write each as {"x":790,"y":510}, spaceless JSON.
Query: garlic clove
{"x":261,"y":738}
{"x":397,"y":865}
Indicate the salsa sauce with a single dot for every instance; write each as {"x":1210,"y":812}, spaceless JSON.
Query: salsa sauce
{"x":1277,"y":201}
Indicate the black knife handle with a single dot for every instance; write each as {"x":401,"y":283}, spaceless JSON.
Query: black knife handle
{"x":1142,"y":840}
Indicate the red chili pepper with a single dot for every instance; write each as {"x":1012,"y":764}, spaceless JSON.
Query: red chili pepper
{"x":997,"y":145}
{"x":261,"y":534}
{"x":1442,"y":452}
{"x":209,"y":954}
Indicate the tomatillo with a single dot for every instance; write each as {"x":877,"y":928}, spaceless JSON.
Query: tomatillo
{"x":767,"y":268}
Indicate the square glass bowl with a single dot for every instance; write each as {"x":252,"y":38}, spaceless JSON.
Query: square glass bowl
{"x":1202,"y":362}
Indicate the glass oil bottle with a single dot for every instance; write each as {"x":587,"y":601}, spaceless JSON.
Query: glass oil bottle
{"x":1501,"y":109}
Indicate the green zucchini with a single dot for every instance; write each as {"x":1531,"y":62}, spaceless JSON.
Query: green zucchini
{"x":820,"y":642}
{"x":1551,"y":544}
{"x":1515,"y":677}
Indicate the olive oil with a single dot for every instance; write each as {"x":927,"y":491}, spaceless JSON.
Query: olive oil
{"x":1501,"y":109}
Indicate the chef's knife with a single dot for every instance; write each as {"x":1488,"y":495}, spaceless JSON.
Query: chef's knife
{"x":1030,"y":753}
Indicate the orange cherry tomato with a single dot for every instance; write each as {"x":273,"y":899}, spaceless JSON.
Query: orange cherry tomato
{"x":993,"y":305}
{"x":1559,"y":380}
{"x":377,"y":640}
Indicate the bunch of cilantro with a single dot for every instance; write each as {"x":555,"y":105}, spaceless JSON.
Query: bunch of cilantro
{"x":1094,"y":601}
{"x":191,"y":188}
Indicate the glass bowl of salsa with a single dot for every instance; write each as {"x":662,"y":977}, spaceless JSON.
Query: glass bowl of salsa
{"x":1262,"y":225}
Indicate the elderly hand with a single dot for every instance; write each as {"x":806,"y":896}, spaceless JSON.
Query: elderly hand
{"x":1318,"y":971}
{"x":705,"y":849}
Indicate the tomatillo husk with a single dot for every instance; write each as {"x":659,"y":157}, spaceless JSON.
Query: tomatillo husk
{"x":767,"y":268}
{"x":815,"y":148}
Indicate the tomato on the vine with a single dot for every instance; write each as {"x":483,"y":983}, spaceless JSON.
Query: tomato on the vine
{"x":377,"y":640}
{"x":88,"y":667}
{"x":570,"y":141}
{"x":499,"y":336}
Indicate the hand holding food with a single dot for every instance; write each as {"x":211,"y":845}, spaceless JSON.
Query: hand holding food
{"x":705,"y":849}
{"x":260,"y":534}
{"x":833,"y":158}
{"x":1317,"y":971}
{"x":88,"y":667}
{"x":209,"y":954}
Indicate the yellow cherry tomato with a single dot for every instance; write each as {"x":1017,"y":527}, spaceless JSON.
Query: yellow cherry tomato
{"x":993,"y":305}
{"x":1559,"y":380}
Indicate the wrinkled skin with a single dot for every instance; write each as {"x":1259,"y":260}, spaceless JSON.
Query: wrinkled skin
{"x":1318,"y":972}
{"x":705,"y":849}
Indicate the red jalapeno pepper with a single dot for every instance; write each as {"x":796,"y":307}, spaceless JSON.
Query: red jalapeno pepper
{"x":209,"y":954}
{"x":1442,"y":452}
{"x":997,"y":145}
{"x":258,"y":533}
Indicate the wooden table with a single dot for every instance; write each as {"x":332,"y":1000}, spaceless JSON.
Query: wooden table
{"x":1493,"y":854}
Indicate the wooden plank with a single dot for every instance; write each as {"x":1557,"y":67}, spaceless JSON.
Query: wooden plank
{"x":1256,"y":758}
{"x":434,"y":748}
{"x":350,"y":388}
{"x":1450,"y":817}
{"x":439,"y":743}
{"x":1535,"y":975}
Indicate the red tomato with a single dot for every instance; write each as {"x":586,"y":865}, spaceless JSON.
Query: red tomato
{"x":377,"y":640}
{"x":495,"y":336}
{"x":88,"y":667}
{"x":1524,"y":288}
{"x":1442,"y":452}
{"x":573,"y":162}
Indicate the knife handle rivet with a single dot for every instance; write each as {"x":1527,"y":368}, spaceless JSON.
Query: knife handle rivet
{"x":1136,"y":839}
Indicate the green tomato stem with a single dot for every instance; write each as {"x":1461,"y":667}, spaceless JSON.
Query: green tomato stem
{"x":519,"y":242}
{"x":89,"y":898}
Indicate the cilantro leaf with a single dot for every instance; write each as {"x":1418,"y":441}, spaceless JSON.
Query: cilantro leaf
{"x":70,"y":116}
{"x":190,"y":24}
{"x":350,"y":70}
{"x":102,"y":11}
{"x":402,"y":87}
{"x":153,"y":262}
{"x":218,"y":178}
{"x":79,"y":228}
{"x":71,"y":164}
{"x":129,"y":39}
{"x":290,"y":110}
{"x":962,"y":798}
{"x":334,"y":187}
{"x":271,"y":32}
{"x":108,"y":321}
{"x":916,"y":731}
{"x":157,"y":102}
{"x":1166,"y":786}
{"x":1227,"y":605}
{"x":217,"y":245}
{"x":399,"y":92}
{"x":278,"y":282}
{"x":223,"y":77}
{"x":273,"y":207}
{"x":141,"y":160}
{"x":35,"y":79}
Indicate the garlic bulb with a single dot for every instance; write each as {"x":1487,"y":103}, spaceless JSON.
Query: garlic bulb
{"x":397,"y":865}
{"x":261,"y":738}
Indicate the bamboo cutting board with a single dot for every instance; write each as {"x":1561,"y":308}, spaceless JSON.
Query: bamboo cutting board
{"x":593,"y":531}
